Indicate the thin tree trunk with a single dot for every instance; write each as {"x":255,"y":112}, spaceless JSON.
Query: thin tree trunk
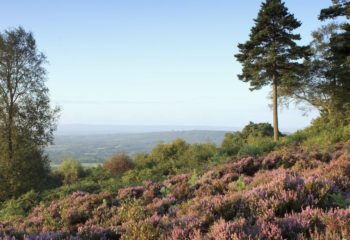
{"x":10,"y":135}
{"x":10,"y":123}
{"x":275,"y":109}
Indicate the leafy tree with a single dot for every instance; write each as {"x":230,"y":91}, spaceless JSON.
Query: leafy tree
{"x":27,"y":120}
{"x":326,"y":83}
{"x":271,"y":56}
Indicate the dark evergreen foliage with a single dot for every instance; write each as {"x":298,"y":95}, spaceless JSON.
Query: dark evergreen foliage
{"x":271,"y":56}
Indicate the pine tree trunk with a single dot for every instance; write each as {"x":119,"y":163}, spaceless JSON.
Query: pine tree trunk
{"x":275,"y":109}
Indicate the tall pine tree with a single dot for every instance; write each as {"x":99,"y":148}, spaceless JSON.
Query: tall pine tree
{"x":271,"y":56}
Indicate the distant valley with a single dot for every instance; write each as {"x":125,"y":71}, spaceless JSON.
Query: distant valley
{"x":97,"y":146}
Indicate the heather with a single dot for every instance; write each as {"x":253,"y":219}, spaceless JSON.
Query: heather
{"x":241,"y":189}
{"x":292,"y":194}
{"x":259,"y":183}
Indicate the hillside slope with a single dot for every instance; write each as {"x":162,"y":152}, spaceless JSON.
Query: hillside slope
{"x":284,"y":195}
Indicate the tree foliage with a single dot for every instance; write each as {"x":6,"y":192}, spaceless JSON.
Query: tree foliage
{"x":326,"y":82}
{"x":338,"y":9}
{"x":339,"y":48}
{"x":27,"y":120}
{"x":258,"y":130}
{"x":271,"y":56}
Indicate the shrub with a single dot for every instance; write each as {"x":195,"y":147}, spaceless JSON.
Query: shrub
{"x":256,"y":146}
{"x":232,"y":143}
{"x":71,"y":171}
{"x":118,"y":164}
{"x":137,"y":176}
{"x":166,"y":152}
{"x":258,"y":130}
{"x":169,"y":159}
{"x":254,"y":140}
{"x":322,"y":135}
{"x":16,"y":208}
{"x":97,"y":174}
{"x":197,"y":155}
{"x":240,"y":184}
{"x":248,"y":150}
{"x":143,"y":161}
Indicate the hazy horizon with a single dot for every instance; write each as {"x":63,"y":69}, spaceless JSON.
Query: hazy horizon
{"x":100,"y":129}
{"x":92,"y":129}
{"x":153,"y":63}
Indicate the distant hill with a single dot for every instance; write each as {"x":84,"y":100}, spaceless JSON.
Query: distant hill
{"x":91,"y":129}
{"x":95,"y":148}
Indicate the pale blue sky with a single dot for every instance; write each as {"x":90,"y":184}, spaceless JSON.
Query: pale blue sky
{"x":155,"y":62}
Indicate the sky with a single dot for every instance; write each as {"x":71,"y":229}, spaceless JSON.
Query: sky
{"x":155,"y":62}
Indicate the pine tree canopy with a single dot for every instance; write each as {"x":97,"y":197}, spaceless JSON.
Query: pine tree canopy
{"x":272,"y":49}
{"x":339,"y":8}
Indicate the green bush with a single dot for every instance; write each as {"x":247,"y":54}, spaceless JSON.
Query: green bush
{"x":232,"y":143}
{"x":71,"y":171}
{"x":296,"y":138}
{"x":196,"y":156}
{"x":165,"y":152}
{"x":257,"y":146}
{"x":255,"y":139}
{"x":15,"y":208}
{"x":321,"y":135}
{"x":258,"y":130}
{"x":170,"y":159}
{"x":248,"y":150}
{"x":97,"y":174}
{"x":143,"y":161}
